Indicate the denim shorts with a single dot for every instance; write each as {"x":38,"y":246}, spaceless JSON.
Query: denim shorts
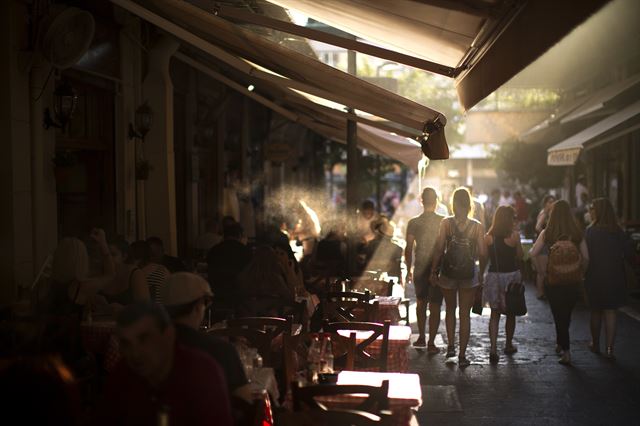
{"x":455,"y":284}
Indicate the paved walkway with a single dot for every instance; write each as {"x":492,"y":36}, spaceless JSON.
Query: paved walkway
{"x":530,"y":387}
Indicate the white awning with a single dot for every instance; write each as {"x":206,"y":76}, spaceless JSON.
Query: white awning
{"x":482,"y":40}
{"x":598,"y":100}
{"x":566,"y":152}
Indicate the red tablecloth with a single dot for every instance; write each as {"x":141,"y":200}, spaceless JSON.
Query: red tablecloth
{"x":405,"y":394}
{"x":399,"y":342}
{"x":99,"y":338}
{"x":388,"y":309}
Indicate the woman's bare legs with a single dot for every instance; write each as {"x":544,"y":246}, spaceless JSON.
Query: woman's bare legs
{"x":596,"y":326}
{"x":450,"y":300}
{"x":510,"y":329}
{"x":541,"y":270}
{"x":467,"y":296}
{"x":610,"y":327}
{"x":494,"y":323}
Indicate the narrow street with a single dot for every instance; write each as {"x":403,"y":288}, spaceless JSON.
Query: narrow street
{"x":530,"y":387}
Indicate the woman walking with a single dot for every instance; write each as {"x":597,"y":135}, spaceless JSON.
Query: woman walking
{"x":460,"y":243}
{"x":568,"y":257}
{"x":505,"y":254}
{"x":540,"y":261}
{"x":605,"y":281}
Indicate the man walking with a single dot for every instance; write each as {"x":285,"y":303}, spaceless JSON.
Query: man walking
{"x":422,"y":232}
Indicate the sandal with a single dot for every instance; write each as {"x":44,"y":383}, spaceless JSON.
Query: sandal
{"x":420,"y":343}
{"x":494,"y":358}
{"x":510,"y":349}
{"x":451,"y":351}
{"x":609,"y":354}
{"x":463,"y":362}
{"x":565,"y":359}
{"x":595,"y":348}
{"x":433,"y":349}
{"x":559,"y":350}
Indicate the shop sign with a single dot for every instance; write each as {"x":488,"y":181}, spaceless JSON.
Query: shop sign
{"x":565,"y":157}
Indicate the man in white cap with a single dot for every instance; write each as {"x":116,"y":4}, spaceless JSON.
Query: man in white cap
{"x":186,"y":298}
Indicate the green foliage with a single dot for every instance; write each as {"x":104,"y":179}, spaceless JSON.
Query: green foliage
{"x":527,"y":163}
{"x":436,"y":92}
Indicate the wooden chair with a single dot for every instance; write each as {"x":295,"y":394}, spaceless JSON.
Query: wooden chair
{"x":348,"y":306}
{"x":376,"y":400}
{"x":382,"y":288}
{"x":334,"y":418}
{"x":260,"y":332}
{"x":362,"y":358}
{"x":298,"y":310}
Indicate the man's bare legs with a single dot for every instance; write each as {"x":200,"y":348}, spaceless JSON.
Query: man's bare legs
{"x":434,"y":323}
{"x":421,"y":314}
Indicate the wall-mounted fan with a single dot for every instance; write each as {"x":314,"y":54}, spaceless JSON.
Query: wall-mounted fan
{"x":66,"y":34}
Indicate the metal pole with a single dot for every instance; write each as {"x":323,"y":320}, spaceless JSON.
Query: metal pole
{"x":352,"y":167}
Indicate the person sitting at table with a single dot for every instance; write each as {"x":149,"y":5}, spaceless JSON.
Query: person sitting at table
{"x":225,"y":261}
{"x":70,"y":293}
{"x":330,"y":257}
{"x":161,"y":378}
{"x":186,"y":297}
{"x":172,"y":263}
{"x":70,"y":286}
{"x":129,"y":283}
{"x":155,"y":274}
{"x":382,"y":253}
{"x":262,"y":285}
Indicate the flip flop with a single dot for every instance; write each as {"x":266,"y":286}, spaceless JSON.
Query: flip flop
{"x":433,"y":349}
{"x":463,"y":362}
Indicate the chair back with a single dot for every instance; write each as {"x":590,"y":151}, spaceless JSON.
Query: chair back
{"x":334,"y":417}
{"x":377,"y":287}
{"x":376,"y":397}
{"x":362,"y":357}
{"x":348,"y":306}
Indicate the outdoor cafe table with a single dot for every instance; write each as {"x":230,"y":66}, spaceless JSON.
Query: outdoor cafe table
{"x":388,"y":308}
{"x":399,"y":342}
{"x":405,"y":394}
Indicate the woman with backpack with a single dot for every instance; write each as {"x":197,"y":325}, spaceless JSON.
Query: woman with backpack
{"x":459,"y":245}
{"x":505,"y":254}
{"x":605,"y":280}
{"x":568,"y":257}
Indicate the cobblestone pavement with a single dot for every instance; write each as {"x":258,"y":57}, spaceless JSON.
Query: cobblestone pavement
{"x":530,"y":387}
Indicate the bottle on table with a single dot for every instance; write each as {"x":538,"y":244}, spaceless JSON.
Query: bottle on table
{"x":326,"y":359}
{"x":313,"y":359}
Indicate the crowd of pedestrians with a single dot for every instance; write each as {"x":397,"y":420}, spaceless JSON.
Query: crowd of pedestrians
{"x":456,"y":259}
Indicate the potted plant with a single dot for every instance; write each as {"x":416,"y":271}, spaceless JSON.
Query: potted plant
{"x":142,"y":169}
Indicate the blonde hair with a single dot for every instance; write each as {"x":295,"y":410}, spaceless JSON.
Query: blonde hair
{"x":70,"y":261}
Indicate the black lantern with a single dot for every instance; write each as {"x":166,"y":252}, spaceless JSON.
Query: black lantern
{"x":143,"y":120}
{"x":65,"y":100}
{"x":433,"y":141}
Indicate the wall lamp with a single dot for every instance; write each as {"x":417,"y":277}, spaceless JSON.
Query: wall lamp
{"x":143,"y":121}
{"x":433,"y":141}
{"x":65,"y":100}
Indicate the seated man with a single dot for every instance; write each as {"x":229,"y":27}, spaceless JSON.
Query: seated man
{"x":226,"y":260}
{"x":186,"y":298}
{"x":173,"y":264}
{"x":160,"y":379}
{"x":382,"y":253}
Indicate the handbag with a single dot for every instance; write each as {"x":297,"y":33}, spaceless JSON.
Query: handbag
{"x":515,"y":302}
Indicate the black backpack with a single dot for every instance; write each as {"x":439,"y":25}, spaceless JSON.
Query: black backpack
{"x":459,"y":261}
